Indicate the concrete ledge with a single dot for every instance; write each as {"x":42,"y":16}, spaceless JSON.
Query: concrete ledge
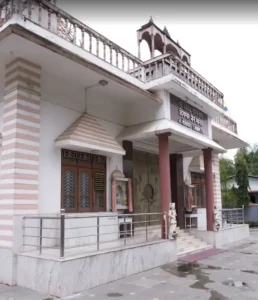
{"x":224,"y":237}
{"x":8,"y":267}
{"x":63,"y":278}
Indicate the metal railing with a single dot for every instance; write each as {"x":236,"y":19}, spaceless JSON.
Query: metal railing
{"x":232,"y":216}
{"x":54,"y":19}
{"x":226,"y":122}
{"x":66,"y":235}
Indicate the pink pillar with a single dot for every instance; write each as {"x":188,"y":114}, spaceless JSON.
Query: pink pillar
{"x":130,"y":196}
{"x":114,"y":195}
{"x":164,"y":171}
{"x":207,"y":156}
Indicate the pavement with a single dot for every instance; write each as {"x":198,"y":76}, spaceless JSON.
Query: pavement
{"x":231,"y":275}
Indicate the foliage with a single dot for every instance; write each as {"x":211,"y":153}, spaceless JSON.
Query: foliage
{"x":245,"y":163}
{"x":227,"y":169}
{"x":251,"y":157}
{"x":241,"y":177}
{"x":230,"y":198}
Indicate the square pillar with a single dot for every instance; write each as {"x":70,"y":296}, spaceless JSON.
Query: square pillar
{"x":164,"y":171}
{"x":19,"y":188}
{"x":207,"y":157}
{"x":128,"y":165}
{"x":177,"y":187}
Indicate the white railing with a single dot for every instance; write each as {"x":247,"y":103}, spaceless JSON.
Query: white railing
{"x":226,"y":122}
{"x":54,"y":19}
{"x":168,"y":63}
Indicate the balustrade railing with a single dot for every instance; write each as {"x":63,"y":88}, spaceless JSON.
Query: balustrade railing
{"x":226,"y":122}
{"x":51,"y":17}
{"x":54,"y":19}
{"x":166,"y":64}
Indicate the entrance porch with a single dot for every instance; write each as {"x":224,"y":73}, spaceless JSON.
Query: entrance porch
{"x":161,"y":157}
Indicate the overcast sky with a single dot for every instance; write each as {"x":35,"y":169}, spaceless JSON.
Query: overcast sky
{"x":221,"y":37}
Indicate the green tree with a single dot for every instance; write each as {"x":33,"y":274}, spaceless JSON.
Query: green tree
{"x":241,"y":177}
{"x":227,"y":169}
{"x":250,"y":155}
{"x":230,"y":198}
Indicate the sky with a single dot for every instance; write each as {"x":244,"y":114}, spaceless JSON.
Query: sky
{"x":221,"y":36}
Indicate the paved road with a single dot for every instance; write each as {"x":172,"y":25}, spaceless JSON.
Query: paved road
{"x":229,"y":275}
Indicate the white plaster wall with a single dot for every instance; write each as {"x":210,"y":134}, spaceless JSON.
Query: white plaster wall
{"x":61,"y":104}
{"x":253,"y":183}
{"x":164,"y":110}
{"x":224,"y":237}
{"x":140,"y":112}
{"x":202,"y":219}
{"x":53,"y":121}
{"x":8,"y":267}
{"x":116,"y":162}
{"x":209,"y":127}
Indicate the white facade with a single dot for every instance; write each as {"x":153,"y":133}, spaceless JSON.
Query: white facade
{"x":48,"y":79}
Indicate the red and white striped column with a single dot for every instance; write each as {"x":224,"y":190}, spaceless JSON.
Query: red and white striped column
{"x":19,"y":188}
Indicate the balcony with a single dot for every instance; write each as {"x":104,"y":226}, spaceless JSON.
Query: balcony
{"x":57,"y":21}
{"x":224,"y":132}
{"x":168,"y":63}
{"x":226,"y":122}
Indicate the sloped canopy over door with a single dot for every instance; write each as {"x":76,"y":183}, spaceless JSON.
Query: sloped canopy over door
{"x":86,"y":134}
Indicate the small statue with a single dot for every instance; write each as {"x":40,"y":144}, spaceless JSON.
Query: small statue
{"x":216,"y":225}
{"x":172,"y":220}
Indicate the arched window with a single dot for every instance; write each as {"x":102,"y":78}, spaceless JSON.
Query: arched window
{"x":170,"y":48}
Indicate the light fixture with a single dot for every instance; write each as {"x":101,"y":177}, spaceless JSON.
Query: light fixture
{"x":103,"y":82}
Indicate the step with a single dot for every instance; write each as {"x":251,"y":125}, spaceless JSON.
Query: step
{"x":189,"y":250}
{"x":189,"y":240}
{"x":187,"y":237}
{"x":187,"y":246}
{"x":184,"y":233}
{"x":190,"y":246}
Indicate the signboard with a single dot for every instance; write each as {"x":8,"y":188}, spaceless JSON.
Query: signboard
{"x":188,"y":116}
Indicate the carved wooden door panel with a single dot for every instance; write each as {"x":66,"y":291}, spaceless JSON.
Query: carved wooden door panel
{"x":146,"y":185}
{"x":153,"y":175}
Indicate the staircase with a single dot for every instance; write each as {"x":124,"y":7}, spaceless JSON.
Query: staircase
{"x":187,"y":242}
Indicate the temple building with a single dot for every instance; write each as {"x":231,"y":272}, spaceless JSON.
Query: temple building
{"x":95,"y":146}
